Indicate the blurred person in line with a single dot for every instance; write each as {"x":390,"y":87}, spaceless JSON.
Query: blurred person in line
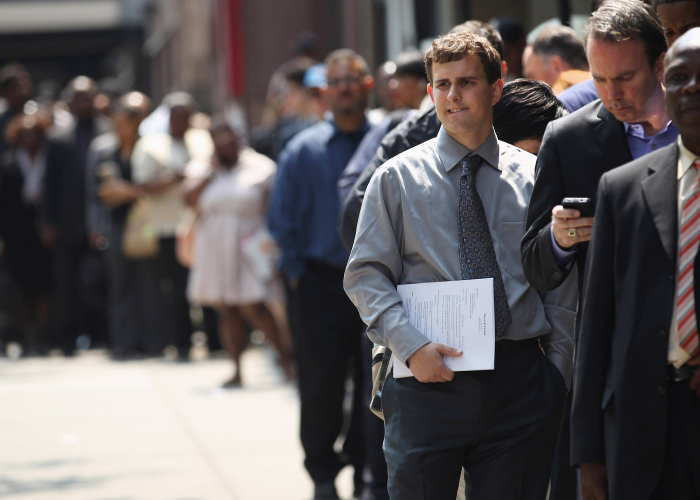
{"x":230,"y":199}
{"x":625,"y":45}
{"x":294,"y":114}
{"x":408,"y":88}
{"x":501,"y":425}
{"x":305,"y":48}
{"x":133,"y":310}
{"x":302,"y":218}
{"x":15,"y":89}
{"x":677,"y":17}
{"x":65,"y":229}
{"x":414,"y":130}
{"x":635,"y":423}
{"x":558,"y":58}
{"x":580,"y":94}
{"x":408,"y":83}
{"x":514,"y":42}
{"x":22,"y":171}
{"x":382,"y":92}
{"x":157,"y":167}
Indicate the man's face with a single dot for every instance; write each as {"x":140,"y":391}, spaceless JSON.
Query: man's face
{"x":226,"y":146}
{"x":677,"y":18}
{"x":623,"y":78}
{"x":538,"y":68}
{"x":682,"y":80}
{"x":347,"y":88}
{"x":82,"y":104}
{"x":406,"y":90}
{"x":463,"y":97}
{"x":179,"y":121}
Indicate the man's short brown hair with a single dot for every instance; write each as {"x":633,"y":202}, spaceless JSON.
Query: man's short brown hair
{"x":457,"y":46}
{"x":348,"y":55}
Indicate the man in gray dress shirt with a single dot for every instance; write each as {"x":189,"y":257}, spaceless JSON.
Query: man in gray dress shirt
{"x":501,"y":425}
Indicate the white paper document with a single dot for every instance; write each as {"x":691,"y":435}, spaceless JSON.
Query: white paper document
{"x":454,"y":313}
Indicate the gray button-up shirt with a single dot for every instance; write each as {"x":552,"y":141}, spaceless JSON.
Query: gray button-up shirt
{"x":407,"y":233}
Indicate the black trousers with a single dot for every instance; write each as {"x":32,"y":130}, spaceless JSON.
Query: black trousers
{"x":501,"y":425}
{"x":328,"y":352}
{"x":175,"y":309}
{"x":564,"y":481}
{"x":133,"y":305}
{"x":680,"y":475}
{"x":68,"y":307}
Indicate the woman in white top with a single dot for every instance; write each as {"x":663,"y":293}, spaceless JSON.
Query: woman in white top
{"x":226,"y":272}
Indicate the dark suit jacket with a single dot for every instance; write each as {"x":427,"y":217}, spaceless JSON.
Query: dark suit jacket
{"x":620,"y":406}
{"x":65,"y":184}
{"x":576,"y":151}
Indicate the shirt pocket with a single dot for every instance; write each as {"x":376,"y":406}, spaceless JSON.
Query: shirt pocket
{"x":509,"y":238}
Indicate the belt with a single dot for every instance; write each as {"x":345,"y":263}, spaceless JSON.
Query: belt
{"x":681,"y":374}
{"x":509,"y":347}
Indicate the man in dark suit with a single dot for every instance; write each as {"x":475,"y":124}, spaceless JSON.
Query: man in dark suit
{"x":627,"y":122}
{"x":65,"y":186}
{"x":625,"y":47}
{"x":636,"y":416}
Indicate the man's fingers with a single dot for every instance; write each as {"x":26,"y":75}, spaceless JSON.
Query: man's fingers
{"x":447,"y":350}
{"x":580,"y":222}
{"x":565,"y":213}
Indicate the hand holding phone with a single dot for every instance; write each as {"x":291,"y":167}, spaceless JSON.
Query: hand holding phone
{"x":572,"y":222}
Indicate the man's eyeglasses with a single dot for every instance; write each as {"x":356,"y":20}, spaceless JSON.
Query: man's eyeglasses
{"x":350,"y":80}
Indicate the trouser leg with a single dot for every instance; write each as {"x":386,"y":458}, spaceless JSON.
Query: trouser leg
{"x":679,"y":475}
{"x":67,"y":268}
{"x":173,"y":282}
{"x":328,"y":334}
{"x":563,"y":479}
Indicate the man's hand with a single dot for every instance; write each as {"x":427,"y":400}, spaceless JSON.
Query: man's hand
{"x":427,"y":364}
{"x":695,"y":381}
{"x":564,"y":219}
{"x":594,"y":482}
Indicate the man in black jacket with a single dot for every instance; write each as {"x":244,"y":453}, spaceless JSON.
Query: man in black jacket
{"x":65,"y":186}
{"x":625,"y":46}
{"x":637,"y":399}
{"x":629,"y":121}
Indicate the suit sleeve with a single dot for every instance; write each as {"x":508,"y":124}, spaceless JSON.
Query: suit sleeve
{"x":539,"y":262}
{"x":595,"y":335}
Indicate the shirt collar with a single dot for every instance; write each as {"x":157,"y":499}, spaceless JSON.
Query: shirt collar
{"x":452,"y":152}
{"x":636,"y":130}
{"x":685,"y":158}
{"x":336,"y":131}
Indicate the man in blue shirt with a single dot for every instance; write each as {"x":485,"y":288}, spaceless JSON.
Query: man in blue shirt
{"x":303,"y":218}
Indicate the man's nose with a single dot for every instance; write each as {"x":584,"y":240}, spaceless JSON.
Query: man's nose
{"x":693,"y":86}
{"x":453,"y":94}
{"x":614,"y":91}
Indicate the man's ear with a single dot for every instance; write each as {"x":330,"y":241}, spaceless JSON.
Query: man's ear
{"x":558,"y":63}
{"x":368,"y":82}
{"x":430,"y":92}
{"x":659,"y":67}
{"x":497,"y":91}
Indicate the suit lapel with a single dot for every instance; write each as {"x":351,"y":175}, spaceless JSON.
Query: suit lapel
{"x":661,"y":195}
{"x":610,"y":134}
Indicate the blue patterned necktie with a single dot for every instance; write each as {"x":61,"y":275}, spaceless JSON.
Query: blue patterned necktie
{"x":476,"y":254}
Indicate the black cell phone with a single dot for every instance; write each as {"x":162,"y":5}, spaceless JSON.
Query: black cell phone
{"x":583,"y":205}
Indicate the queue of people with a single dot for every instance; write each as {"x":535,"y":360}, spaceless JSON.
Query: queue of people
{"x":457,"y":176}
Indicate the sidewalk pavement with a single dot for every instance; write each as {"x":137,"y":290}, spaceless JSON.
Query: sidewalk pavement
{"x":88,"y":428}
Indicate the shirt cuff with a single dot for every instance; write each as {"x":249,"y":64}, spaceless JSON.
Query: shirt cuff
{"x":563,"y":257}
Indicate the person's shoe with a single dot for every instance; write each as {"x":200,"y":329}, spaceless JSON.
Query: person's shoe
{"x":325,"y":491}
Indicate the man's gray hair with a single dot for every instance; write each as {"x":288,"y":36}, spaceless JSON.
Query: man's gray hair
{"x":564,"y":42}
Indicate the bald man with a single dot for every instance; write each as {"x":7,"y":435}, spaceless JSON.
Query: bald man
{"x":636,"y":409}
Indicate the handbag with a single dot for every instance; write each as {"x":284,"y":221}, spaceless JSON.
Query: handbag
{"x":184,"y":238}
{"x":382,"y":361}
{"x":140,"y":239}
{"x":262,"y":254}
